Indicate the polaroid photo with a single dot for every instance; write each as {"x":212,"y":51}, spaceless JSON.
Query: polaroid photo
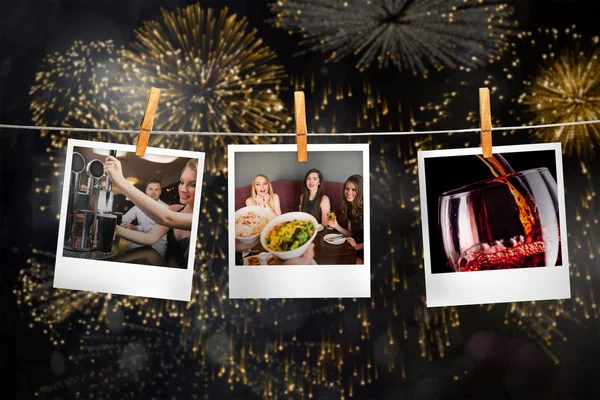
{"x":494,"y":230}
{"x":299,"y":230}
{"x":128,"y":224}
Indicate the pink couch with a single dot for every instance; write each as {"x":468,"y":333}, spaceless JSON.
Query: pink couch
{"x":289,"y":195}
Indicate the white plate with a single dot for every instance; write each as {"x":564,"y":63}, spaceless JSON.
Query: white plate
{"x":334,"y":238}
{"x":320,"y":228}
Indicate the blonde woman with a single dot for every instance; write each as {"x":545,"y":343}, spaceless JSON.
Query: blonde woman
{"x":263,"y":196}
{"x":175,"y":221}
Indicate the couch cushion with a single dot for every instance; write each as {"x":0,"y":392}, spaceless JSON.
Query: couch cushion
{"x":289,"y":194}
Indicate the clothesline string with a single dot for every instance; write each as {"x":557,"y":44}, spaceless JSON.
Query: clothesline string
{"x":192,"y":133}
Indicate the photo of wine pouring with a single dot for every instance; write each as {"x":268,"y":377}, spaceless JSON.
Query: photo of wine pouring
{"x":493,"y":215}
{"x":509,"y":220}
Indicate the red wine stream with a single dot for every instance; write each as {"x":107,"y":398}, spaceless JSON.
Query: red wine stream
{"x":522,"y":251}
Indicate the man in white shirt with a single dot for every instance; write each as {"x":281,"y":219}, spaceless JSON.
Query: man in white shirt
{"x":144,"y":223}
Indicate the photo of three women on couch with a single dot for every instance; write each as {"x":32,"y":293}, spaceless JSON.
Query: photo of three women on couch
{"x":337,"y":206}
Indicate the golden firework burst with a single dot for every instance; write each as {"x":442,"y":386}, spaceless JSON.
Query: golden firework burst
{"x":566,"y":88}
{"x":73,"y":89}
{"x":215,"y":75}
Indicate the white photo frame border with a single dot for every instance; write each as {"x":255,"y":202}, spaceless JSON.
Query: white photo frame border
{"x":303,"y":281}
{"x":499,"y":286}
{"x":124,"y":278}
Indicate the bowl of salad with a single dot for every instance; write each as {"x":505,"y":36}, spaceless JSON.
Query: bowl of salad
{"x":289,"y":235}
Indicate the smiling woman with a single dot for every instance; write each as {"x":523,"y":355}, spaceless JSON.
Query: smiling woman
{"x":352,"y":211}
{"x":177,"y":217}
{"x":313,"y":200}
{"x":263,"y":196}
{"x":113,"y":168}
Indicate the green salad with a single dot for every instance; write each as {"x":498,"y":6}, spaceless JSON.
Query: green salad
{"x":289,"y":235}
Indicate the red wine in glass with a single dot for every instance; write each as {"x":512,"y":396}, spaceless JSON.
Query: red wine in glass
{"x":509,"y":221}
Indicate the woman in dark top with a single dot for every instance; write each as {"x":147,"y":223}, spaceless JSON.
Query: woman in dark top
{"x":313,"y":199}
{"x":175,"y":222}
{"x":177,"y":250}
{"x":352,"y":211}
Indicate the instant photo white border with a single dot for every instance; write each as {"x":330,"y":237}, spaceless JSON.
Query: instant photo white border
{"x":303,"y":281}
{"x":500,"y":286}
{"x":124,"y":278}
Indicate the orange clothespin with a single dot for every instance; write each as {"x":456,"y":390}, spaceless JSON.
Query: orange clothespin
{"x":485,"y":116}
{"x":147,"y":121}
{"x":300,"y":113}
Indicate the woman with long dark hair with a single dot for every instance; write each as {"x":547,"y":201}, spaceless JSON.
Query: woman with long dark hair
{"x":352,"y":211}
{"x":313,"y":199}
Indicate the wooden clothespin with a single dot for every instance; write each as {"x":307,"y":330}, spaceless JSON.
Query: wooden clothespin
{"x":300,"y":113}
{"x":147,"y":121}
{"x":485,"y":116}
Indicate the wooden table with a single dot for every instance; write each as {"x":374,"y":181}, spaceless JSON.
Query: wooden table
{"x":333,"y":254}
{"x":325,"y":253}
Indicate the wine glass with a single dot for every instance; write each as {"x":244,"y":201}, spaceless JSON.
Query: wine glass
{"x":501,"y":223}
{"x":330,"y":217}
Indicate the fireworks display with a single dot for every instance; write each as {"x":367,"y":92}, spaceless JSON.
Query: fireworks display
{"x":215,"y":75}
{"x":73,"y":89}
{"x":410,"y":35}
{"x":564,"y":88}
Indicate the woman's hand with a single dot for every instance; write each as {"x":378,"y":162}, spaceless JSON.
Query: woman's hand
{"x":112,"y":168}
{"x":262,"y":201}
{"x":241,"y":247}
{"x":351,"y":241}
{"x":333,"y":224}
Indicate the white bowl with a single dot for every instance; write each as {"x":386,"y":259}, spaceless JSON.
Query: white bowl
{"x":257,"y":209}
{"x":286,"y":255}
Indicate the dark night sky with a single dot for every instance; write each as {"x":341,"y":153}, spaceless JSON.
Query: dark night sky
{"x":507,"y":364}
